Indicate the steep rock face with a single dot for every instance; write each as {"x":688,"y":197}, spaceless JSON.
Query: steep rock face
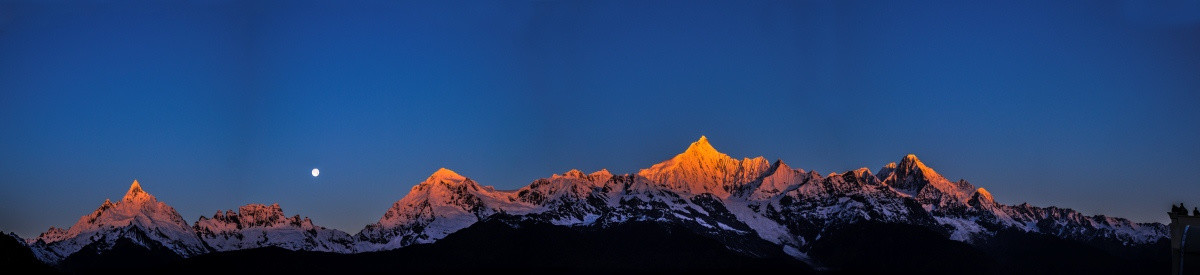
{"x":839,"y":199}
{"x":257,"y":225}
{"x":445,"y":202}
{"x":572,"y":198}
{"x":701,"y":169}
{"x":748,"y":205}
{"x":1071,"y":224}
{"x":139,"y":216}
{"x":912,"y":177}
{"x":743,"y":203}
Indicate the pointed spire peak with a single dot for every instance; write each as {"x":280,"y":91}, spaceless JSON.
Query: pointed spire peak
{"x":136,"y":193}
{"x":135,"y":187}
{"x":703,"y":148}
{"x":779,"y":164}
{"x":911,"y":161}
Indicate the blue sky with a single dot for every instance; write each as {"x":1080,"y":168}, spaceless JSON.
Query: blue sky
{"x":214,"y":104}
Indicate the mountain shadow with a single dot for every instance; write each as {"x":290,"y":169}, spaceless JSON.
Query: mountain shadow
{"x":520,"y":246}
{"x":15,"y":256}
{"x":878,"y":248}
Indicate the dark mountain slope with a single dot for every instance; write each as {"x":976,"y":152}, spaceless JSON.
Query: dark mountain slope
{"x":522,"y":246}
{"x":14,"y":255}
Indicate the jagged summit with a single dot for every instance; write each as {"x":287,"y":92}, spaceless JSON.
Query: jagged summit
{"x":573,"y":173}
{"x":914,"y":178}
{"x":136,"y":193}
{"x":912,"y":163}
{"x":983,"y":197}
{"x":259,"y":225}
{"x":135,"y":187}
{"x":747,"y":204}
{"x":442,"y":204}
{"x":137,"y":216}
{"x":911,"y":174}
{"x":703,"y":148}
{"x":702,"y":169}
{"x":602,"y":173}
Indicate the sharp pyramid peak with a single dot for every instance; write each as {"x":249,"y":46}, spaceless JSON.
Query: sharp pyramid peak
{"x":136,"y":193}
{"x":701,"y":144}
{"x":911,"y":161}
{"x":780,"y":164}
{"x":135,"y":187}
{"x":703,"y":149}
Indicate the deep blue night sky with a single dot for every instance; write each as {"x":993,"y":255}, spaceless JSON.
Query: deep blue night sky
{"x":1091,"y":105}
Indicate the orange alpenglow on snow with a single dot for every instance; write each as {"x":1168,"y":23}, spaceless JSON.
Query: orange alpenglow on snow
{"x":136,"y":194}
{"x":702,"y":169}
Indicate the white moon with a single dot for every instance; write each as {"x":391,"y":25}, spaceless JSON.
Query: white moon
{"x":316,"y":172}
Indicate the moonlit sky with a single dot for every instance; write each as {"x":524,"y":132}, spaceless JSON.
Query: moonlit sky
{"x":1091,"y":105}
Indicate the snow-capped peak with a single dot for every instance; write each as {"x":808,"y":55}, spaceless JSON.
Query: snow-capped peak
{"x":912,"y":163}
{"x":445,"y":202}
{"x":886,"y":171}
{"x":603,"y":173}
{"x":138,"y":216}
{"x":136,"y":194}
{"x":702,"y":148}
{"x":573,"y":173}
{"x":911,"y":175}
{"x":445,"y":175}
{"x":984,"y":195}
{"x":702,"y":169}
{"x":258,"y":225}
{"x":914,"y":178}
{"x":863,"y":172}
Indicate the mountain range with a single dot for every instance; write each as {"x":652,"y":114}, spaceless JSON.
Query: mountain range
{"x":751,"y":208}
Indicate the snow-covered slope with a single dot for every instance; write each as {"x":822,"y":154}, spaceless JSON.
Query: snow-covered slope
{"x":749,"y":205}
{"x":257,"y":225}
{"x":740,"y":202}
{"x":701,"y":169}
{"x":445,"y":202}
{"x":138,"y":216}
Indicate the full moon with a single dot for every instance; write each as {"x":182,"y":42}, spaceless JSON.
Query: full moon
{"x":316,"y":172}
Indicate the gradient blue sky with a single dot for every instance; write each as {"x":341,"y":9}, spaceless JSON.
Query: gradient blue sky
{"x":1092,"y":105}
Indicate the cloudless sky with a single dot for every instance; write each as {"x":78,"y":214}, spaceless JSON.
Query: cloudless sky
{"x":1091,"y":105}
